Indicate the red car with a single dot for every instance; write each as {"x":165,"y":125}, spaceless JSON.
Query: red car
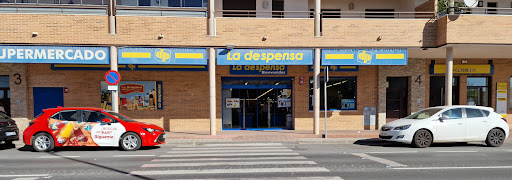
{"x":58,"y":127}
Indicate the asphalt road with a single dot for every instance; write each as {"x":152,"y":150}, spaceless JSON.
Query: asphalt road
{"x":365,"y":159}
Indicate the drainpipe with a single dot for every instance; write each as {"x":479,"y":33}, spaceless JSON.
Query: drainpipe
{"x":213,"y":105}
{"x":211,"y":18}
{"x":317,"y":18}
{"x":448,"y":77}
{"x":316,"y":93}
{"x":112,"y":17}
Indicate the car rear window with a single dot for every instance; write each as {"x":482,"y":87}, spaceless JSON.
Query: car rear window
{"x":473,"y":113}
{"x":486,"y":113}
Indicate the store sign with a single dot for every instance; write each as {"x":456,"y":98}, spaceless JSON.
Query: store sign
{"x":336,"y":68}
{"x":232,"y":102}
{"x":54,"y":54}
{"x":501,"y":99}
{"x":184,"y":56}
{"x":134,"y":95}
{"x":128,"y":67}
{"x":264,"y":56}
{"x":348,"y":104}
{"x":284,"y":102}
{"x":364,"y":56}
{"x":258,"y":69}
{"x":463,"y":69}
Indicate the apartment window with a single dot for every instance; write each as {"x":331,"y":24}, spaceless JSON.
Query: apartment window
{"x":380,"y":13}
{"x":326,"y":13}
{"x":491,"y":7}
{"x":237,"y":8}
{"x":278,"y":5}
{"x":77,"y":2}
{"x":479,"y":91}
{"x":164,"y":3}
{"x":341,"y":93}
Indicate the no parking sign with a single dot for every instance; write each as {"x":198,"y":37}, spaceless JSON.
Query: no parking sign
{"x":112,"y":77}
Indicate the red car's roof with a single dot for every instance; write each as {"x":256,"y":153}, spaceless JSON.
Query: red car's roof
{"x":74,"y":108}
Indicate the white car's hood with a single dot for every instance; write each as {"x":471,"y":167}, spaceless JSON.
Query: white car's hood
{"x":401,"y":122}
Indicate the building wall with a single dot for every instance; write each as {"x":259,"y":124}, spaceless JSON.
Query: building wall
{"x":17,"y":86}
{"x":416,"y":97}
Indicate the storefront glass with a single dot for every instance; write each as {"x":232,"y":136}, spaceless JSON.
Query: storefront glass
{"x":478,"y":91}
{"x":256,"y":103}
{"x":341,"y":93}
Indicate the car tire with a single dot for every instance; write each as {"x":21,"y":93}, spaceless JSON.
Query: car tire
{"x":8,"y":142}
{"x":130,"y":141}
{"x":43,"y":142}
{"x":422,"y":139}
{"x":495,"y":138}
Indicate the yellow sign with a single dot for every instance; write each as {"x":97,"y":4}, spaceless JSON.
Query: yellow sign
{"x":364,"y":57}
{"x":501,"y":86}
{"x":464,"y":69}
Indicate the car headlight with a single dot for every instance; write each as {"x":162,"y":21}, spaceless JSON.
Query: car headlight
{"x":149,"y":130}
{"x":404,"y":127}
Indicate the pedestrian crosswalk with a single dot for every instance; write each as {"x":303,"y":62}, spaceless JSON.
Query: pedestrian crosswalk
{"x":237,"y":160}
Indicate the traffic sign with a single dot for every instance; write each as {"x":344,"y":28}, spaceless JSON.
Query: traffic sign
{"x":112,"y":77}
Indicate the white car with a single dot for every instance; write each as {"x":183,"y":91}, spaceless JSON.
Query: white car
{"x":448,"y":124}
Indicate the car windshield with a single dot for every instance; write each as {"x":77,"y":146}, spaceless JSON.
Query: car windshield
{"x":423,"y":114}
{"x":121,"y":117}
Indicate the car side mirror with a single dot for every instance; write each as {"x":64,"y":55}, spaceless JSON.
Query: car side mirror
{"x":107,"y":121}
{"x":444,"y":117}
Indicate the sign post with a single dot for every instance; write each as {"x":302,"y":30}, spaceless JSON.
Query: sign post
{"x":113,"y":78}
{"x":326,"y":79}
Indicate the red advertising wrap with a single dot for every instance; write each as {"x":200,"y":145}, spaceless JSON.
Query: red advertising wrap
{"x":131,"y":88}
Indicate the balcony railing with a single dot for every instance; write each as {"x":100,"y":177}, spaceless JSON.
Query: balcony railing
{"x":265,"y":14}
{"x":327,"y":14}
{"x":483,"y":10}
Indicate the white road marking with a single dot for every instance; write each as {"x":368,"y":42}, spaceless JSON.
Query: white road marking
{"x":49,"y":157}
{"x":24,"y":175}
{"x":228,"y":148}
{"x":26,"y":178}
{"x":229,"y":151}
{"x":228,"y":163}
{"x":455,"y":151}
{"x":133,"y":155}
{"x":447,"y":168}
{"x":379,"y":160}
{"x":281,"y":178}
{"x":231,"y":171}
{"x":235,"y":145}
{"x":232,"y":154}
{"x":229,"y":159}
{"x":391,"y":152}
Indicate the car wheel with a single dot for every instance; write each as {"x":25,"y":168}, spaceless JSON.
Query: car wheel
{"x":495,"y":138}
{"x":8,"y":142}
{"x":130,"y":142}
{"x":43,"y":142}
{"x":422,"y":139}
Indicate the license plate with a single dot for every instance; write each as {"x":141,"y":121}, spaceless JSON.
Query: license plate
{"x":383,"y":134}
{"x":10,"y":133}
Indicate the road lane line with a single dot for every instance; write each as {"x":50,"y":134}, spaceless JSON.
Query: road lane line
{"x":26,"y":178}
{"x":50,"y":157}
{"x":24,"y":175}
{"x":229,"y":163}
{"x":228,"y":148}
{"x":280,"y":178}
{"x":391,"y":152}
{"x":231,"y":171}
{"x":230,"y":159}
{"x":455,"y":151}
{"x":232,"y":154}
{"x":142,"y":155}
{"x":230,"y":151}
{"x":379,"y":160}
{"x":236,"y":145}
{"x":447,"y":168}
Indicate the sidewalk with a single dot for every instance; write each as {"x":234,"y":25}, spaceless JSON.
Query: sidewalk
{"x":267,"y":136}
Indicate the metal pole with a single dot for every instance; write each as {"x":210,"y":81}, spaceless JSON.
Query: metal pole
{"x":316,"y":93}
{"x":317,"y":18}
{"x":213,"y":106}
{"x":112,"y":17}
{"x":451,"y":6}
{"x":113,"y":66}
{"x":325,"y":101}
{"x":211,"y":18}
{"x":449,"y":76}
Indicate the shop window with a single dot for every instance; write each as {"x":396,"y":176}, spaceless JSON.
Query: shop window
{"x":341,"y":93}
{"x":478,"y":91}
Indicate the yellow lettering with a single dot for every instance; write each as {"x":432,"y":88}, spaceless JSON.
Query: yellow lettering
{"x":262,"y":67}
{"x":299,"y":56}
{"x":278,"y":56}
{"x":267,"y":68}
{"x":270,"y":57}
{"x":246,"y":68}
{"x":263,"y":56}
{"x":252,"y":67}
{"x":281,"y":68}
{"x":236,"y":56}
{"x":256,"y":56}
{"x":248,"y":56}
{"x":229,"y":56}
{"x":286,"y":56}
{"x":292,"y":56}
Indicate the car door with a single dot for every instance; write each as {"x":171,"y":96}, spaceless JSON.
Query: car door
{"x":452,"y":129}
{"x":63,"y":125}
{"x":103,"y":134}
{"x":476,"y":124}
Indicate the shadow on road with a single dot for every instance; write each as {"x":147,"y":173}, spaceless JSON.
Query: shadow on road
{"x":379,"y":142}
{"x":84,"y":148}
{"x":7,"y":146}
